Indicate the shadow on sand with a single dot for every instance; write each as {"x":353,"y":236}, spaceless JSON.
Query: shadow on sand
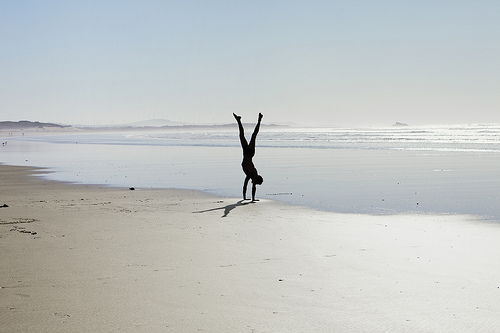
{"x":227,"y":209}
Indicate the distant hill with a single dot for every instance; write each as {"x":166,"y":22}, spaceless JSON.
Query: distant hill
{"x":399,"y":124}
{"x":27,"y":124}
{"x":230,"y":125}
{"x":152,"y":123}
{"x":173,"y":125}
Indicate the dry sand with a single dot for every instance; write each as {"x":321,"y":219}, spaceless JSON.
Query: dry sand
{"x":78,"y":258}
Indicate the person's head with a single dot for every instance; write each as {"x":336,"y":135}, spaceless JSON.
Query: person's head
{"x":258,"y":180}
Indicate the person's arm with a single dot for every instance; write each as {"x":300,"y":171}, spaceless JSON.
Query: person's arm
{"x":245,"y":187}
{"x":254,"y":189}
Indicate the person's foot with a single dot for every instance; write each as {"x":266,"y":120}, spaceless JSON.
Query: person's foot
{"x":260,"y":116}
{"x":236,"y":117}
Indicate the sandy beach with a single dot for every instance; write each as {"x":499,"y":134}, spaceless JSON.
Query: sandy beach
{"x":83,"y":258}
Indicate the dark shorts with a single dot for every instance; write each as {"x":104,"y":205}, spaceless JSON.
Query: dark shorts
{"x":249,"y":168}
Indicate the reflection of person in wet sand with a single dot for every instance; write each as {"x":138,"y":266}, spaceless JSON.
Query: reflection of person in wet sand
{"x":248,"y":153}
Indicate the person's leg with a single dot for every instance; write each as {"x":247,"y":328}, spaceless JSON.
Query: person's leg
{"x":255,"y":131}
{"x":245,"y":187}
{"x":243,"y":140}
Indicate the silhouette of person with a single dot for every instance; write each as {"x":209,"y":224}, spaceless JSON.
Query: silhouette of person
{"x":248,"y":153}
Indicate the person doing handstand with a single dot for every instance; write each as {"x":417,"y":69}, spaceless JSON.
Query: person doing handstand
{"x":248,"y":153}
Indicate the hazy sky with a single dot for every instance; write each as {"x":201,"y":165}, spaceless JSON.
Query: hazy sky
{"x":327,"y":62}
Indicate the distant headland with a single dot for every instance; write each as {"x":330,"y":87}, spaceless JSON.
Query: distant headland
{"x":154,"y":124}
{"x":26,"y":124}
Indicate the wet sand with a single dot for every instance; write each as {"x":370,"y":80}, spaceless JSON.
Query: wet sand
{"x":82,"y":258}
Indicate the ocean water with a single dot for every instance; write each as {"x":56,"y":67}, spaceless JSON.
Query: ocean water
{"x":439,"y":169}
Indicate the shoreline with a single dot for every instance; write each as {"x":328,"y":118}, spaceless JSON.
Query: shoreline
{"x":378,"y":182}
{"x":87,"y":258}
{"x":46,"y":170}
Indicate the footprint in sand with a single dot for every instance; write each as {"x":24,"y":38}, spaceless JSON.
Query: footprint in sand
{"x":23,"y":230}
{"x":18,"y":220}
{"x":62,"y":315}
